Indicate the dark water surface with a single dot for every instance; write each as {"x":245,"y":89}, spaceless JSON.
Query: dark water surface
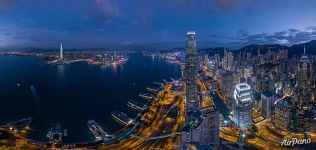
{"x":73,"y":94}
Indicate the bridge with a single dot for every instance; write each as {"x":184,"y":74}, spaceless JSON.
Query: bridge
{"x":156,"y":137}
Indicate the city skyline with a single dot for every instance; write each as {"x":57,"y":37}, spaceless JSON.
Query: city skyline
{"x":155,"y":24}
{"x":159,"y":74}
{"x":258,"y":99}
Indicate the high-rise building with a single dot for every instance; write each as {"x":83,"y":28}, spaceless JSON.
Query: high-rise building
{"x":227,"y":84}
{"x":61,"y":53}
{"x":267,"y":102}
{"x":282,"y":113}
{"x":202,"y":119}
{"x":190,"y":72}
{"x":304,"y":71}
{"x":203,"y":128}
{"x":228,"y":60}
{"x":242,"y":106}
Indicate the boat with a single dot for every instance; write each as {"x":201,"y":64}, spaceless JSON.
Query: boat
{"x":122,"y":118}
{"x":96,"y":130}
{"x":136,"y":105}
{"x":20,"y":124}
{"x":55,"y":134}
{"x":147,"y":96}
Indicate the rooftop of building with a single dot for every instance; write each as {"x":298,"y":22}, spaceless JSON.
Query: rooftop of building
{"x":267,"y":93}
{"x":195,"y":119}
{"x":242,"y":86}
{"x":191,"y":32}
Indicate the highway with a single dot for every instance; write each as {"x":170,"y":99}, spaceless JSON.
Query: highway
{"x":158,"y":130}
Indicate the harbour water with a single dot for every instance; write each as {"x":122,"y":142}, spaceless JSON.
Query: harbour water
{"x":73,"y":94}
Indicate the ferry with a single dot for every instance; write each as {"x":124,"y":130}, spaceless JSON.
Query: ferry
{"x":96,"y":130}
{"x":147,"y":96}
{"x":122,"y":118}
{"x":136,"y":105}
{"x":20,"y":124}
{"x":55,"y":134}
{"x":153,"y":90}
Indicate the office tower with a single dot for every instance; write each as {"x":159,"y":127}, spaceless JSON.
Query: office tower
{"x":247,"y":73}
{"x":283,"y":113}
{"x":202,"y":119}
{"x":202,"y":129}
{"x":228,"y":60}
{"x":267,"y":102}
{"x":227,"y":84}
{"x":304,"y":71}
{"x":242,"y":106}
{"x":61,"y":53}
{"x":190,"y":72}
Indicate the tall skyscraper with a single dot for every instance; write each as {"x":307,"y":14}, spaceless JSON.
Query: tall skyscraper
{"x":61,"y":53}
{"x":190,"y":72}
{"x":267,"y":101}
{"x":202,"y":121}
{"x":304,"y":71}
{"x":228,"y":60}
{"x":242,"y":106}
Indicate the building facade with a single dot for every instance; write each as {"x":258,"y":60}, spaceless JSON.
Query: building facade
{"x":242,"y":106}
{"x":267,"y":103}
{"x":190,"y":72}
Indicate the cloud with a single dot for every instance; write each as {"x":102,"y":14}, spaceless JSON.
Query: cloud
{"x":213,"y":7}
{"x":286,"y":37}
{"x":108,"y":9}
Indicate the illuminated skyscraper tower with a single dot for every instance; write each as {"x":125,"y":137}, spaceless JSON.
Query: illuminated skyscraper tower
{"x":304,"y":71}
{"x":242,"y":106}
{"x":61,"y":53}
{"x":202,"y":120}
{"x":190,"y":72}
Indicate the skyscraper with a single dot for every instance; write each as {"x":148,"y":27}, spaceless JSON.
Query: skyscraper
{"x":61,"y":53}
{"x":242,"y":106}
{"x":202,"y":121}
{"x":190,"y":72}
{"x":267,"y":101}
{"x":228,"y":60}
{"x":304,"y":71}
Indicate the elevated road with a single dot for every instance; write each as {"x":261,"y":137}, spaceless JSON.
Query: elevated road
{"x":156,"y":137}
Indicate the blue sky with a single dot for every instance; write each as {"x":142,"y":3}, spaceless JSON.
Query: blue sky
{"x":154,"y":23}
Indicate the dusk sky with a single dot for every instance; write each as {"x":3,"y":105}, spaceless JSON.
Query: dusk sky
{"x":154,"y":23}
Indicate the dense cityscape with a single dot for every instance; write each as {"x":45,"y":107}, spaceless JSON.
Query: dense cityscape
{"x":157,"y":75}
{"x":238,"y":99}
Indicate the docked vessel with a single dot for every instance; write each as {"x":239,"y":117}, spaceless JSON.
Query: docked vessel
{"x":122,"y":118}
{"x":136,"y":105}
{"x":55,"y":134}
{"x":96,"y":130}
{"x":20,"y":124}
{"x":147,"y":96}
